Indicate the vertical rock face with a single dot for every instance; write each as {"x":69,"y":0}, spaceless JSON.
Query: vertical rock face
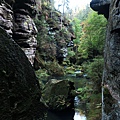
{"x":6,"y":17}
{"x":24,"y":28}
{"x":112,"y":57}
{"x":19,"y":91}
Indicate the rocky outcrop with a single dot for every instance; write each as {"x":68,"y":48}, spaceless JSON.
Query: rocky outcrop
{"x":112,"y":57}
{"x":54,"y":33}
{"x":6,"y":17}
{"x":24,"y":28}
{"x":58,"y":96}
{"x":101,"y":6}
{"x":19,"y":88}
{"x":16,"y":18}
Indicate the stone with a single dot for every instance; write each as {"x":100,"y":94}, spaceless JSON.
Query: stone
{"x":6,"y":17}
{"x":22,"y":28}
{"x":111,"y":53}
{"x":24,"y":32}
{"x":101,"y":6}
{"x":19,"y":89}
{"x":57,"y":94}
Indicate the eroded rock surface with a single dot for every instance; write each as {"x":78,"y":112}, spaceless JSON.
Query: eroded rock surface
{"x":19,"y":89}
{"x":16,"y":17}
{"x":24,"y":28}
{"x":6,"y":17}
{"x":112,"y":55}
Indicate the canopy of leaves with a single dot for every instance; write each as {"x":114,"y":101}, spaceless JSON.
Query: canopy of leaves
{"x":93,"y":36}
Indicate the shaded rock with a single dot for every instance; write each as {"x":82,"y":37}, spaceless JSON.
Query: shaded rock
{"x":112,"y":56}
{"x":101,"y":6}
{"x":112,"y":50}
{"x":57,"y":94}
{"x":19,"y":89}
{"x":115,"y":114}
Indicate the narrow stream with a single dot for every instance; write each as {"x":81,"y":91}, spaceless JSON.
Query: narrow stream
{"x":78,"y":115}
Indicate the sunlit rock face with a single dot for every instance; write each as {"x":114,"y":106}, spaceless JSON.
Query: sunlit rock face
{"x":101,"y":6}
{"x":16,"y":17}
{"x":6,"y":16}
{"x":112,"y":57}
{"x":24,"y":32}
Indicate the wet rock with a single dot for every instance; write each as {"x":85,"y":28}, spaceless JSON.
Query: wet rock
{"x":57,"y":94}
{"x":19,"y":89}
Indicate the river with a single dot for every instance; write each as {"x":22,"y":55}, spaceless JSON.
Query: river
{"x":78,"y":116}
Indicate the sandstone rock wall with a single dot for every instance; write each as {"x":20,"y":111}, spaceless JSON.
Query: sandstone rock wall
{"x":16,"y":17}
{"x":24,"y":32}
{"x":112,"y":54}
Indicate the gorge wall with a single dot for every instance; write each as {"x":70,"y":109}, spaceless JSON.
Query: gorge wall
{"x":16,"y":17}
{"x":111,"y":10}
{"x":19,"y":88}
{"x":20,"y":91}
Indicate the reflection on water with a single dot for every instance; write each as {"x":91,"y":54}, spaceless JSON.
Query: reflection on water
{"x":78,"y":116}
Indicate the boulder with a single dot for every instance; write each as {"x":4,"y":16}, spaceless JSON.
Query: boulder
{"x":58,"y":94}
{"x":19,"y":88}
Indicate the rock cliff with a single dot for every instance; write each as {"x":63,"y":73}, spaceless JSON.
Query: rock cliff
{"x":24,"y":32}
{"x":112,"y":54}
{"x":54,"y":33}
{"x":19,"y":89}
{"x":16,"y":18}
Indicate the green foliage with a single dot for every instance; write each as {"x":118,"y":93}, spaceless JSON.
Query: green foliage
{"x":85,"y":93}
{"x":92,"y":39}
{"x":94,"y":71}
{"x":54,"y":69}
{"x":83,"y":14}
{"x":94,"y":107}
{"x":71,"y":53}
{"x":77,"y":28}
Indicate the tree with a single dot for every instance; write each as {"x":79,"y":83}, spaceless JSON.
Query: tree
{"x":93,"y":36}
